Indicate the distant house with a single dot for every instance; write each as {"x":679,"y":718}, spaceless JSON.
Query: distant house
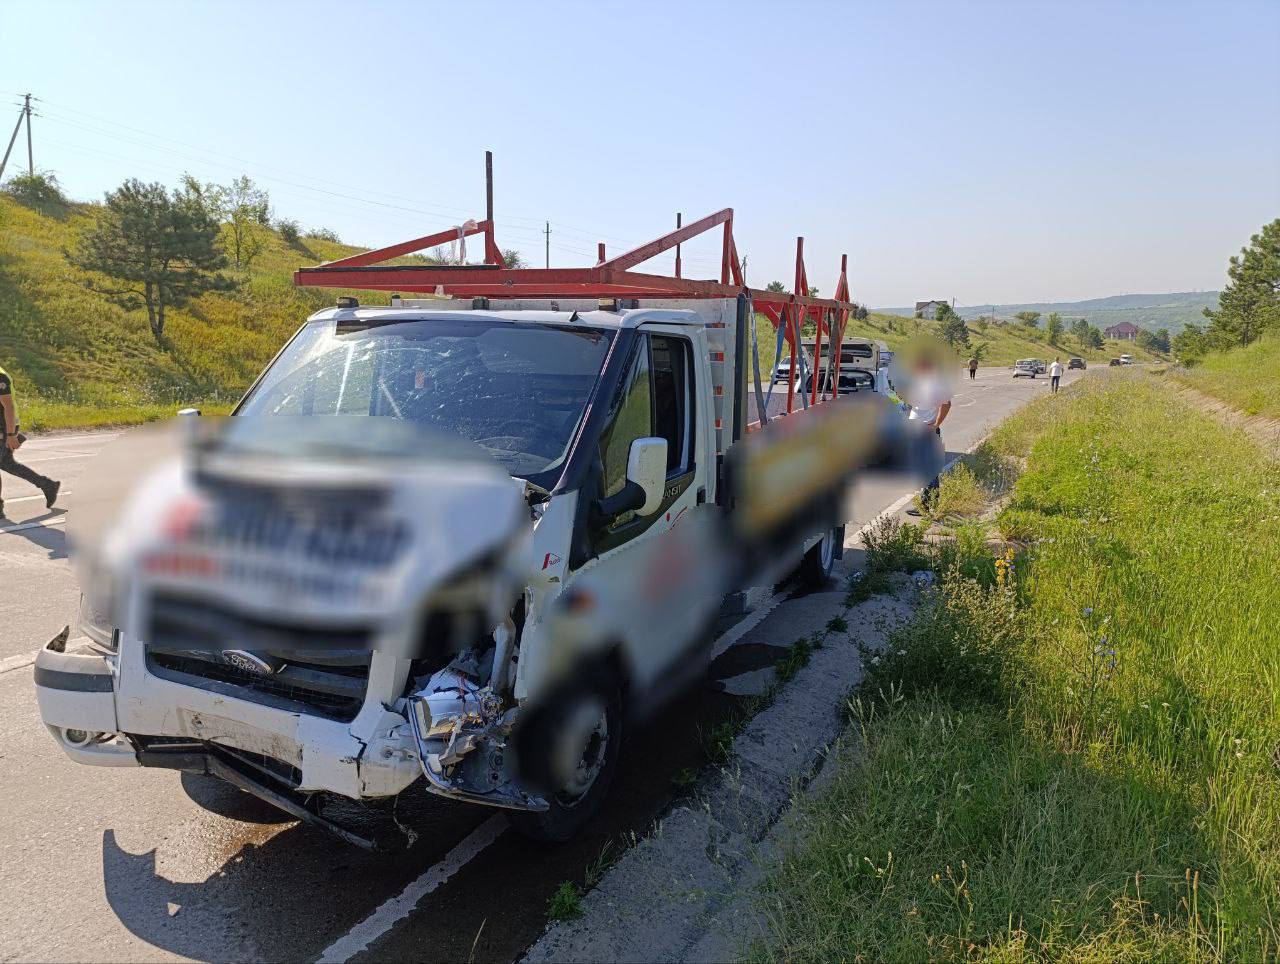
{"x":929,"y":309}
{"x":1125,"y":331}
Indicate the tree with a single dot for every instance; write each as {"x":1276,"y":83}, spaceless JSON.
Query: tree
{"x":1095,"y":337}
{"x":1080,"y":331}
{"x":776,"y":286}
{"x":860,"y":313}
{"x":813,"y":292}
{"x":289,"y":231}
{"x":511,"y":259}
{"x":1189,"y":345}
{"x":1028,"y":318}
{"x":951,"y":327}
{"x":1155,"y":342}
{"x":1054,"y":327}
{"x":41,"y":192}
{"x":243,"y":207}
{"x":324,"y":234}
{"x":1250,"y":303}
{"x":157,"y":250}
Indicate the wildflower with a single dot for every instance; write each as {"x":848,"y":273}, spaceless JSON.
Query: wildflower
{"x":903,"y":652}
{"x":1147,"y":706}
{"x":1088,"y":610}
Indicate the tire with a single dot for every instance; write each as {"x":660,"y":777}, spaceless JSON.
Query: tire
{"x":817,"y":564}
{"x":570,"y":811}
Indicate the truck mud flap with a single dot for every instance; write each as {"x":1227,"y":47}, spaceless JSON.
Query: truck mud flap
{"x":207,"y":759}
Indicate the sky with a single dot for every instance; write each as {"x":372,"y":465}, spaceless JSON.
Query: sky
{"x":986,"y":152}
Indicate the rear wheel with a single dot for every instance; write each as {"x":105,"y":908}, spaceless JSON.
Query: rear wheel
{"x":820,"y":560}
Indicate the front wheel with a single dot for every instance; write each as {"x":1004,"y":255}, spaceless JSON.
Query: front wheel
{"x":582,"y":740}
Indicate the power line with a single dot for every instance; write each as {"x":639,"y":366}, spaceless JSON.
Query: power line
{"x":24,"y":114}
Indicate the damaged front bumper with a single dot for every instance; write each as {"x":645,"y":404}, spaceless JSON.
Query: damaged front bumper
{"x":461,"y":731}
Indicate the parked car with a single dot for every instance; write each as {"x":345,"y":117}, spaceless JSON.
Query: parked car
{"x":1115,"y":363}
{"x":1076,"y":362}
{"x":783,"y":372}
{"x":1029,"y":367}
{"x":1126,"y":359}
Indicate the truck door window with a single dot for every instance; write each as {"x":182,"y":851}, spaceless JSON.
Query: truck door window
{"x":671,"y":409}
{"x":630,"y":418}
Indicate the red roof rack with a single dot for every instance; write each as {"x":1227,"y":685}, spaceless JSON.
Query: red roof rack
{"x":608,"y":278}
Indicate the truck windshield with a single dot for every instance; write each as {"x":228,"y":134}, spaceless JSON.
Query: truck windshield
{"x":517,"y":390}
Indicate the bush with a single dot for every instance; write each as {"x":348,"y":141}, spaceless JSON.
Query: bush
{"x":958,"y":494}
{"x":324,"y":234}
{"x":894,"y":546}
{"x":40,"y":192}
{"x":289,"y":231}
{"x":960,"y":643}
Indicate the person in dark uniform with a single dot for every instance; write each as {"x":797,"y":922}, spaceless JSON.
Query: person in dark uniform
{"x":13,"y":439}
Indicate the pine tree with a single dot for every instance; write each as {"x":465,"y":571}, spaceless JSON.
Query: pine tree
{"x":156,"y":250}
{"x":1250,"y":303}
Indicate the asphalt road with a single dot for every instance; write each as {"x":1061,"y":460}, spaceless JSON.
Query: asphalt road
{"x":136,"y":864}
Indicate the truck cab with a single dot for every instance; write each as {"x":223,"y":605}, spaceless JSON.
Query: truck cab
{"x":607,"y":425}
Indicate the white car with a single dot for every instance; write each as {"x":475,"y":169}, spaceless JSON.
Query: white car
{"x":1030,"y":367}
{"x":1126,"y":359}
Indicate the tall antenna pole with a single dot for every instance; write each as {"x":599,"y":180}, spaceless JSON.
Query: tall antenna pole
{"x":678,"y":217}
{"x":547,"y":232}
{"x":26,"y":108}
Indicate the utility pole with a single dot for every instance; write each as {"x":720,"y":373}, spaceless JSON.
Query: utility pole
{"x":547,"y":232}
{"x":26,"y":107}
{"x":24,"y":114}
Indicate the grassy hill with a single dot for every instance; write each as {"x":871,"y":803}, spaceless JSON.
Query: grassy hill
{"x":1246,"y":378}
{"x":1174,"y":310}
{"x":78,"y":360}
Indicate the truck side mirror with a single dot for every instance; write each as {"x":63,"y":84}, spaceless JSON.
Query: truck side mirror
{"x":647,"y":468}
{"x":646,"y":479}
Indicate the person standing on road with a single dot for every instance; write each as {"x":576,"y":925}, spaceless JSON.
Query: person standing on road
{"x":13,"y":440}
{"x":930,"y":404}
{"x":1055,"y":375}
{"x":973,"y":368}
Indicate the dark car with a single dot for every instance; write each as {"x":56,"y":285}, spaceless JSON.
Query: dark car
{"x":1076,"y":363}
{"x":1115,"y":363}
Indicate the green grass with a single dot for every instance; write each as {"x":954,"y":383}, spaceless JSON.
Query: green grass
{"x":1072,"y":752}
{"x":79,"y":361}
{"x":565,"y":903}
{"x":1246,"y":378}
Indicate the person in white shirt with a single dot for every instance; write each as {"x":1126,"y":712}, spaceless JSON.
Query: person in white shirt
{"x":1055,"y":375}
{"x":930,"y":404}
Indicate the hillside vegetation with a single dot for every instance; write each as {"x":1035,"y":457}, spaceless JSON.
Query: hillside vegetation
{"x":1072,"y":752}
{"x":1247,"y":378}
{"x":79,"y":360}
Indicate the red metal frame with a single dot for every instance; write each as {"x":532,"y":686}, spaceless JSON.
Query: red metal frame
{"x":609,"y":277}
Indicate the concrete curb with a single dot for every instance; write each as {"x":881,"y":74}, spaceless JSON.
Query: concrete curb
{"x":685,"y":892}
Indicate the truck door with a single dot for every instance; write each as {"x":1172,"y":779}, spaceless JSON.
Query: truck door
{"x":657,"y":399}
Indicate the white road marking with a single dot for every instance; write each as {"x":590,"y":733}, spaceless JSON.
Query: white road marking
{"x":53,"y":440}
{"x":35,"y":525}
{"x":358,"y":939}
{"x":54,"y":458}
{"x":32,"y":498}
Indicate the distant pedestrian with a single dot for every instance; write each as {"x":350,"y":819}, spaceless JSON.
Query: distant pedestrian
{"x":973,"y":368}
{"x":13,"y":440}
{"x":1055,"y":375}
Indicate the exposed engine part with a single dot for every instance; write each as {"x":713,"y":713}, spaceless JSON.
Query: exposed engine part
{"x":461,"y":730}
{"x":504,"y":638}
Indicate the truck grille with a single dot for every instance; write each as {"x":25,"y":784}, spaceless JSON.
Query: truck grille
{"x":324,"y":672}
